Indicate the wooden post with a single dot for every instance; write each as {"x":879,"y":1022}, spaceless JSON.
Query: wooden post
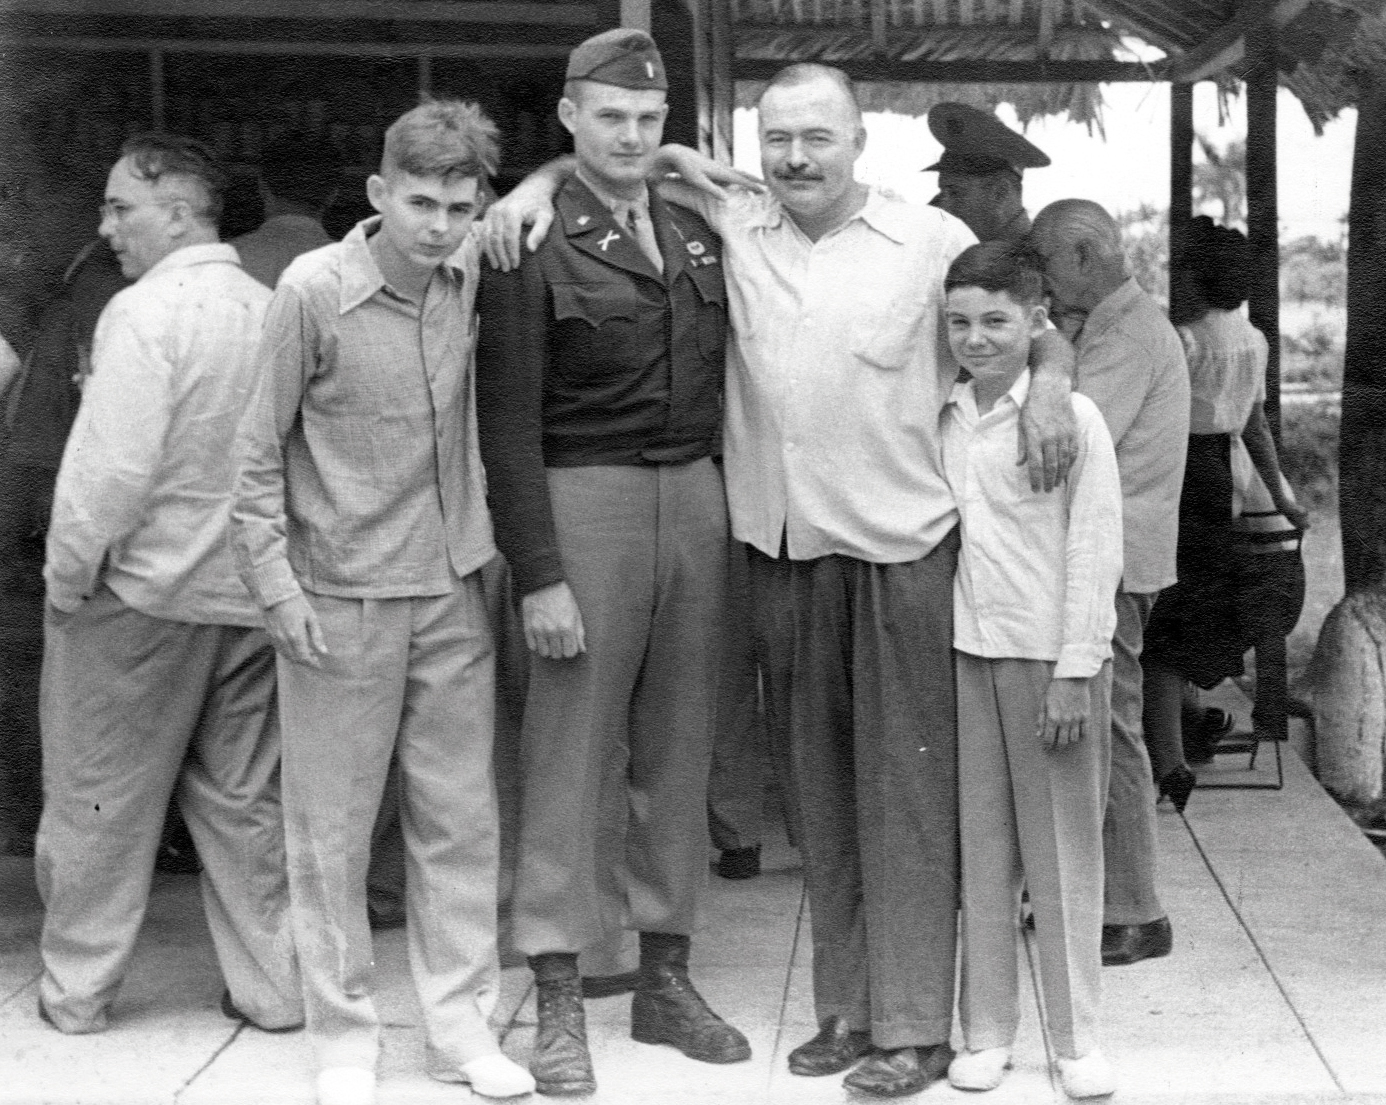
{"x":723,"y":88}
{"x":636,"y":13}
{"x":1181,"y":138}
{"x":1263,"y":230}
{"x":1263,"y":215}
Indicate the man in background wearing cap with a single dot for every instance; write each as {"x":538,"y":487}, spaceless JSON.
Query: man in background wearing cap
{"x":600,"y":369}
{"x":979,"y":172}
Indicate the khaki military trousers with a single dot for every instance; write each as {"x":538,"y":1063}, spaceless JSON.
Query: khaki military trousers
{"x":644,"y":550}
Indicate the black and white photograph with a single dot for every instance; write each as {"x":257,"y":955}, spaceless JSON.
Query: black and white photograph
{"x":692,"y":552}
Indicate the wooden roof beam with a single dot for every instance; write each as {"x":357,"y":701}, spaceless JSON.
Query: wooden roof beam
{"x":980,"y":71}
{"x":1226,"y":46}
{"x":275,"y":47}
{"x":416,"y":11}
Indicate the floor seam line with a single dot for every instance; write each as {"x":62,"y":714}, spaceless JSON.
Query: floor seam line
{"x":235,"y":1033}
{"x":15,"y":996}
{"x":1028,"y":942}
{"x":1261,"y":955}
{"x":784,"y":993}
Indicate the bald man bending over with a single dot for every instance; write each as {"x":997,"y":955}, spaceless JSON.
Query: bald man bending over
{"x":1131,"y":364}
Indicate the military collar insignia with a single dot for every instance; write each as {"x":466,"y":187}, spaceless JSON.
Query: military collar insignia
{"x":583,"y":220}
{"x":611,"y":236}
{"x":697,"y":251}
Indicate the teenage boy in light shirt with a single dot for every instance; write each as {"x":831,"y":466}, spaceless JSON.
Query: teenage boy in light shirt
{"x":1032,"y":624}
{"x":361,"y":527}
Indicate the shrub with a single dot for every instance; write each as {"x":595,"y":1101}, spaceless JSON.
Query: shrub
{"x":1309,"y":450}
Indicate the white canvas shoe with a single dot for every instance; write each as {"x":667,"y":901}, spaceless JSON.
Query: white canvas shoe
{"x":1089,"y":1075}
{"x":979,"y":1070}
{"x":497,"y":1076}
{"x":346,"y":1086}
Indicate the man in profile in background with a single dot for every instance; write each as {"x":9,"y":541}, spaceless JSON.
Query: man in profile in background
{"x":299,"y":175}
{"x":979,"y":174}
{"x":152,"y":647}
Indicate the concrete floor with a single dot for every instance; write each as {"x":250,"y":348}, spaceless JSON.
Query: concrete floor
{"x":1276,"y":992}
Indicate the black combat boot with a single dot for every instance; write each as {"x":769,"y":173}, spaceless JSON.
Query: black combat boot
{"x":667,"y":1010}
{"x":561,"y":1064}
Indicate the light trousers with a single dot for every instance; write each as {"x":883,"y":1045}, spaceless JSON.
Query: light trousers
{"x":132,"y":705}
{"x":1029,"y":815}
{"x":860,"y":656}
{"x":410,"y":678}
{"x":644,"y":551}
{"x":1128,"y":832}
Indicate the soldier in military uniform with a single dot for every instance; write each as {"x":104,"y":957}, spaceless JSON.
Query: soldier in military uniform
{"x":600,"y":367}
{"x":979,"y":174}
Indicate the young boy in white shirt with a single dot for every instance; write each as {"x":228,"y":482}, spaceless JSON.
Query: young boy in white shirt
{"x":1033,"y":621}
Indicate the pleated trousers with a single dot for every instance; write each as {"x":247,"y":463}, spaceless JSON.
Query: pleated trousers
{"x":132,"y":706}
{"x":860,"y":662}
{"x":411,"y":678}
{"x":1029,"y":815}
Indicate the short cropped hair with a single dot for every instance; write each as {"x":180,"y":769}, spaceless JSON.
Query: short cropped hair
{"x":161,"y":158}
{"x":442,"y":138}
{"x":810,"y":72}
{"x":1218,"y":260}
{"x":302,"y":167}
{"x":998,"y":267}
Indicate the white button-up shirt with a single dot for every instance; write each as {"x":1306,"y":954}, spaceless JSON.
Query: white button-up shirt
{"x":146,"y":478}
{"x":1038,"y":571}
{"x":836,"y":373}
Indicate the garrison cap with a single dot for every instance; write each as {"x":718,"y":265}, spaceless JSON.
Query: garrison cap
{"x":624,"y":57}
{"x":977,"y":142}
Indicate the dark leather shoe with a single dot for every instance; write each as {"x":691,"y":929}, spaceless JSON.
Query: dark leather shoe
{"x":894,"y":1072}
{"x":668,"y":1010}
{"x":562,"y":1065}
{"x":609,"y":986}
{"x":1126,"y":944}
{"x":833,"y":1050}
{"x":739,"y":863}
{"x":1176,"y":785}
{"x":230,"y":1012}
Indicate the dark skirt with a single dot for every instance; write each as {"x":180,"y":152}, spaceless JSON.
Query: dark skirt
{"x":1194,"y":628}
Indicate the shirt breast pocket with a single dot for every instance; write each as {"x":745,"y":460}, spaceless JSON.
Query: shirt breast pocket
{"x":596,"y":328}
{"x":885,"y":335}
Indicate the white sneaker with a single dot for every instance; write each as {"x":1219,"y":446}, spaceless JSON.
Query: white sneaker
{"x":346,"y":1086}
{"x":497,"y":1076}
{"x":979,"y":1070}
{"x":1089,"y":1075}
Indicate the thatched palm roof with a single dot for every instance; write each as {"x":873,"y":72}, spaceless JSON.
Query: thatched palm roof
{"x":1322,"y":44}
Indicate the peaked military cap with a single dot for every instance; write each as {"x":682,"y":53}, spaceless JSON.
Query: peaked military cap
{"x":624,"y":57}
{"x":977,"y":142}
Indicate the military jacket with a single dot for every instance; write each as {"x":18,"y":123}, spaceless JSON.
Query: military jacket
{"x":587,"y":355}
